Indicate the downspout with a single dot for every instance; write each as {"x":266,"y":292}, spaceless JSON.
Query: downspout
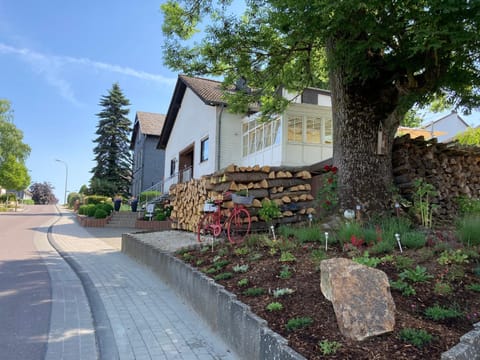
{"x":219,"y":133}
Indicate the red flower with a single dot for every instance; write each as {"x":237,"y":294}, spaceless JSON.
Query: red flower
{"x":330,"y":180}
{"x":327,"y":168}
{"x":333,"y":169}
{"x":357,"y":242}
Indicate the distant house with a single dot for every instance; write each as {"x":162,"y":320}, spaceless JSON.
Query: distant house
{"x":148,"y":161}
{"x":450,"y":125}
{"x":418,"y":132}
{"x":200,"y":136}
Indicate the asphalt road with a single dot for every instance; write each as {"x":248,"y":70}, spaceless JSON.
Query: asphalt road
{"x":25,"y":288}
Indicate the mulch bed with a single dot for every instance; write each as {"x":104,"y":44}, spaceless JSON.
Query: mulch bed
{"x":264,"y":269}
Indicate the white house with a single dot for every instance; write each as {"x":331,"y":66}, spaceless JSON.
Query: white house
{"x":200,"y":136}
{"x":449,"y":125}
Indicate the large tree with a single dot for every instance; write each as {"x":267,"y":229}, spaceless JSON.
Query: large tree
{"x":13,"y":151}
{"x":42,"y":193}
{"x":381,"y":57}
{"x":112,"y":173}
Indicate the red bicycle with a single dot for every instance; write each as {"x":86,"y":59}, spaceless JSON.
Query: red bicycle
{"x":237,"y":225}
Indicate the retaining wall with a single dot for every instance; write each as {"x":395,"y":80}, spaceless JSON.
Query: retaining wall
{"x":246,"y":334}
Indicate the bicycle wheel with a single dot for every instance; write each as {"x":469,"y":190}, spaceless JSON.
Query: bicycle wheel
{"x":238,"y":225}
{"x":205,"y":229}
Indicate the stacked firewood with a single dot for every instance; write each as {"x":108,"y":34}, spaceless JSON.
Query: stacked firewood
{"x":290,"y":189}
{"x":453,"y":170}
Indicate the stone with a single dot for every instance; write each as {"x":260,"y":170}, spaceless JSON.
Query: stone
{"x":360,"y":296}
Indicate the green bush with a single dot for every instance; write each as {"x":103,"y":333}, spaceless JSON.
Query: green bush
{"x":468,"y":230}
{"x":90,"y":210}
{"x":100,"y":213}
{"x":439,"y":313}
{"x":96,"y":199}
{"x":148,"y":195}
{"x":413,"y":240}
{"x":107,"y":207}
{"x":298,"y":323}
{"x":468,"y":205}
{"x":417,"y":337}
{"x":269,"y":210}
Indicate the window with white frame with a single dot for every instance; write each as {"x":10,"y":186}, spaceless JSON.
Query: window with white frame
{"x":258,"y":135}
{"x":204,"y":150}
{"x":309,"y":129}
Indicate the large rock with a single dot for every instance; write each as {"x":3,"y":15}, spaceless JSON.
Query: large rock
{"x":360,"y":296}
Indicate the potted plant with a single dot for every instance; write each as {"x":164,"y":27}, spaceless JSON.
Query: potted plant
{"x":242,"y":197}
{"x":209,"y":206}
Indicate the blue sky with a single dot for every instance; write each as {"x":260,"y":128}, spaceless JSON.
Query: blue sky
{"x":57,"y":58}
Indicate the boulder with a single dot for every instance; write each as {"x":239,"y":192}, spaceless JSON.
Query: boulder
{"x":360,"y":296}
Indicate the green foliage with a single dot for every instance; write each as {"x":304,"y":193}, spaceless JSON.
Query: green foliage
{"x":242,"y":282}
{"x":474,"y":287}
{"x":442,"y":288}
{"x":223,"y":276}
{"x":285,"y":272}
{"x":365,"y":259}
{"x":327,"y":194}
{"x":412,"y":119}
{"x":298,"y":323}
{"x":471,"y":136}
{"x":329,"y":347}
{"x":274,"y":306}
{"x":112,"y":172}
{"x":422,"y":197}
{"x":244,"y":250}
{"x":287,"y":256}
{"x":468,"y":230}
{"x":148,"y":196}
{"x":405,"y":288}
{"x":403,"y":262}
{"x":96,"y":199}
{"x":439,"y":313}
{"x":100,"y":213}
{"x":269,"y":210}
{"x":347,"y":230}
{"x":413,"y":240}
{"x":240,"y":268}
{"x":419,"y":274}
{"x":90,"y":210}
{"x":13,"y":174}
{"x":468,"y":206}
{"x":417,"y":337}
{"x":254,"y":291}
{"x":282,"y":292}
{"x":453,"y":257}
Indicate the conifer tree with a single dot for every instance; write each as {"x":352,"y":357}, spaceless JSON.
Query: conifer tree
{"x":112,"y":173}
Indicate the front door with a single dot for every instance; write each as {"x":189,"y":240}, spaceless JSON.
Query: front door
{"x":185,"y":165}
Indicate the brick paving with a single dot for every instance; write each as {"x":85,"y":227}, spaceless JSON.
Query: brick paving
{"x":147,"y":319}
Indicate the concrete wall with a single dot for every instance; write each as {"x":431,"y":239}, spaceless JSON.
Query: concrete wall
{"x":248,"y":335}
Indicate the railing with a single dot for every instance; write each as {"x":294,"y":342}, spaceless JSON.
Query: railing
{"x":163,"y":186}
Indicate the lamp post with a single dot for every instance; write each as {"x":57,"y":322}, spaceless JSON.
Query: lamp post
{"x":66,"y":179}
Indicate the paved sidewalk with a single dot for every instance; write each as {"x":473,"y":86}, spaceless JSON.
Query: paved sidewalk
{"x":147,"y":319}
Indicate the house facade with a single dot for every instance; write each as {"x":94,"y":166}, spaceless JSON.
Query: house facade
{"x":449,"y":125}
{"x":148,"y":160}
{"x":201,"y":136}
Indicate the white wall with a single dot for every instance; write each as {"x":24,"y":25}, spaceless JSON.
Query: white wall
{"x":450,"y":124}
{"x":194,"y":122}
{"x":230,"y":138}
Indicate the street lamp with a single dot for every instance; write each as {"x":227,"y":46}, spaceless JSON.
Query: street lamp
{"x":66,"y":179}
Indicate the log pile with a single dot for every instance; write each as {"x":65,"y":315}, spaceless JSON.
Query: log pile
{"x":289,"y":188}
{"x":453,"y":169}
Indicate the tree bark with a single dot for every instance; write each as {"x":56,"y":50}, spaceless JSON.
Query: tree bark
{"x":360,"y":111}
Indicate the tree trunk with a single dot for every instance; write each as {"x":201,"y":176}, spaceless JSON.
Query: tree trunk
{"x":360,"y":112}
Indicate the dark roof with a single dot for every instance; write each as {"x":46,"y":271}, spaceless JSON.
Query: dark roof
{"x":147,"y":123}
{"x":209,"y":91}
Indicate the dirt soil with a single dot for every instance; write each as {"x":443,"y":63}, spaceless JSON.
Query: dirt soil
{"x":264,"y":270}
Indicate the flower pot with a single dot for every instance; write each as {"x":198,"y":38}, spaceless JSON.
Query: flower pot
{"x":244,"y":200}
{"x":209,"y":207}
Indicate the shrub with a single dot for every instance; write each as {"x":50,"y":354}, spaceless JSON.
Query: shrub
{"x":282,"y":292}
{"x":419,"y":274}
{"x":223,"y":276}
{"x":347,"y":230}
{"x":468,"y":229}
{"x":274,"y":306}
{"x":242,"y":282}
{"x":287,"y":256}
{"x":413,"y":240}
{"x":269,"y":210}
{"x":298,"y":323}
{"x":254,"y":291}
{"x":468,"y":205}
{"x":100,"y":213}
{"x":107,"y":207}
{"x":439,"y":313}
{"x":405,"y":288}
{"x":285,"y":272}
{"x":96,"y":199}
{"x":417,"y":337}
{"x":90,"y":210}
{"x":442,"y":288}
{"x":329,"y":347}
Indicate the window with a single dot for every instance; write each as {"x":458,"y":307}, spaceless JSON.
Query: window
{"x":257,"y":135}
{"x":309,"y":129}
{"x":204,"y":150}
{"x":313,"y":130}
{"x":173,"y":165}
{"x":295,"y":129}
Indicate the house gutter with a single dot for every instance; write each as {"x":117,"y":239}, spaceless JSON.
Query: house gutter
{"x":219,"y":133}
